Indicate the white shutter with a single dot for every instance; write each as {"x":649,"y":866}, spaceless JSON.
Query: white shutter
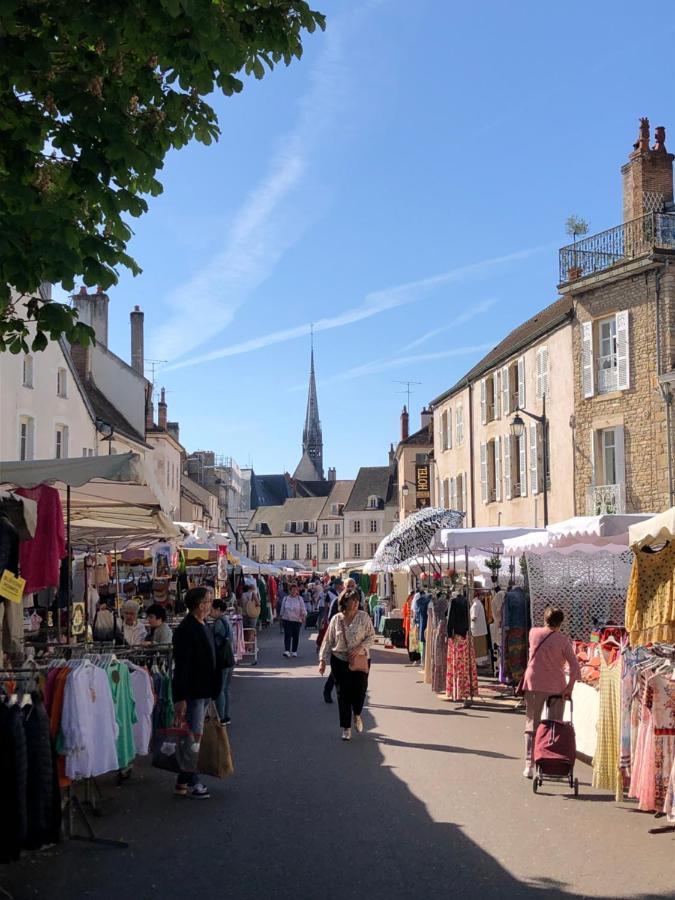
{"x":587,"y":378}
{"x":622,"y":351}
{"x":593,"y":438}
{"x":534,"y":459}
{"x":497,"y":394}
{"x":449,"y":429}
{"x":522,"y":463}
{"x":522,"y":399}
{"x":620,"y":455}
{"x":507,"y":466}
{"x":453,"y":493}
{"x":483,"y":472}
{"x":464,"y":490}
{"x":545,"y":385}
{"x":506,"y":396}
{"x":483,"y":402}
{"x":498,"y":469}
{"x":459,"y":431}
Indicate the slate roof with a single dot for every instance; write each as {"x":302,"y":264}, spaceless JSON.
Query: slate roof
{"x":104,"y":409}
{"x":269,"y":490}
{"x":543,"y":323}
{"x":375,"y":481}
{"x":420,"y":438}
{"x":306,"y":470}
{"x":339,"y":494}
{"x":295,"y":509}
{"x":312,"y":488}
{"x":195,"y":491}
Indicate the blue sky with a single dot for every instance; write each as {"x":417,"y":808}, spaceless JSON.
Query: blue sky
{"x":404,"y":187}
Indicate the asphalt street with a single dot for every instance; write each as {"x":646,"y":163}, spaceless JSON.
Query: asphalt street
{"x":429,"y":802}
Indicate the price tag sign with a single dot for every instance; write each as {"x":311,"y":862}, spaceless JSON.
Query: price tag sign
{"x":11,"y":587}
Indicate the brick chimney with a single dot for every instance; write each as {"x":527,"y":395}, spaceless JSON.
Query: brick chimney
{"x":161,"y":411}
{"x":93,"y":310}
{"x":149,"y":409}
{"x":648,"y":174}
{"x":136,"y":317}
{"x":404,"y":425}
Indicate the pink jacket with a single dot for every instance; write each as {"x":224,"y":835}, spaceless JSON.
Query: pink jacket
{"x":40,"y":558}
{"x":546,"y":669}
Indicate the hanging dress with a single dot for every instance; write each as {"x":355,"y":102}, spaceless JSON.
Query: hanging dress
{"x":462,"y":677}
{"x":439,"y":645}
{"x":606,"y":772}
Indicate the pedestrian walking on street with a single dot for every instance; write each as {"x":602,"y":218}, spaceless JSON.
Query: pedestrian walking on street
{"x":346,"y":648}
{"x":223,"y":637}
{"x":251,"y":606}
{"x":550,"y":652}
{"x":293,"y":617}
{"x":196,"y":678}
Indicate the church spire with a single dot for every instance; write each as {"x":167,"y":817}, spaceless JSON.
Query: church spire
{"x":310,"y":467}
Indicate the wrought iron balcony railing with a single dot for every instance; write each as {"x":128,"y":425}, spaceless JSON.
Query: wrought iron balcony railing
{"x":616,"y":245}
{"x":605,"y":499}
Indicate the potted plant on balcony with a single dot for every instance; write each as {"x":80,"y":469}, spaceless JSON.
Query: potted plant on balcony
{"x":494,"y":564}
{"x":575,"y":226}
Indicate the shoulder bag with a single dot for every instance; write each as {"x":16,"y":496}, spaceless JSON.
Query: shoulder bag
{"x":520,"y":687}
{"x":358,"y":663}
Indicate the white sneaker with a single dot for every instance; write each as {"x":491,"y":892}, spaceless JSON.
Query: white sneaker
{"x":346,"y":734}
{"x":358,"y":723}
{"x":294,"y":654}
{"x":528,"y":771}
{"x":287,"y":654}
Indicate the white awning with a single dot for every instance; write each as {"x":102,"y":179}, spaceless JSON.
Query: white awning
{"x":580,"y":533}
{"x":655,"y":530}
{"x":489,"y":539}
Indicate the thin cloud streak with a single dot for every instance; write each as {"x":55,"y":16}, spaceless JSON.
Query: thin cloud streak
{"x":384,"y":365}
{"x":459,"y":320}
{"x":265,"y":227}
{"x":373,"y":304}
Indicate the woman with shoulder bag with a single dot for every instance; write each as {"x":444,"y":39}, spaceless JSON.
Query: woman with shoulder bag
{"x":551,"y":652}
{"x":293,"y":616}
{"x":345,"y":647}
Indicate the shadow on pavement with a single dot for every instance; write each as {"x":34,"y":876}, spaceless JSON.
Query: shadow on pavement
{"x":305,"y":817}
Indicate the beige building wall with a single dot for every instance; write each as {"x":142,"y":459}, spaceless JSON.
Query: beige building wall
{"x":451,"y":471}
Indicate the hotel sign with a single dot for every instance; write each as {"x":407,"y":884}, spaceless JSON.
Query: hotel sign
{"x":422,"y":485}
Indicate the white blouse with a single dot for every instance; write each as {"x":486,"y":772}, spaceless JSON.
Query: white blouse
{"x":359,"y":634}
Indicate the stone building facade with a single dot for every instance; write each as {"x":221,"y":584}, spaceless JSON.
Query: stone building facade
{"x":624,"y":344}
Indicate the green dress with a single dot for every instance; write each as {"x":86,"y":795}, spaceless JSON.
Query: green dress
{"x":125,"y":712}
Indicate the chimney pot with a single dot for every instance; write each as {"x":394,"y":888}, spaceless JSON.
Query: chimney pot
{"x":404,"y":424}
{"x":162,"y":410}
{"x":136,"y":318}
{"x":648,"y":174}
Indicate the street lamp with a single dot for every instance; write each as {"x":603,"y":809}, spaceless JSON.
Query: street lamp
{"x":405,"y":490}
{"x":517,"y":428}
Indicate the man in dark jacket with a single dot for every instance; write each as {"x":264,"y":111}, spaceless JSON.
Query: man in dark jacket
{"x":196,"y":679}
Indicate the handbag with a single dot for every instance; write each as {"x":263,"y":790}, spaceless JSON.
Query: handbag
{"x":175,"y":749}
{"x":357,"y":663}
{"x":520,"y":687}
{"x":215,"y":756}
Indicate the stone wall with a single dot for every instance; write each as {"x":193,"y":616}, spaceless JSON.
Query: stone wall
{"x":639,"y":409}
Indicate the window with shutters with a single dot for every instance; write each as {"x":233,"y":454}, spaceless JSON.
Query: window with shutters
{"x":534,"y":459}
{"x":308,"y":551}
{"x":27,"y":372}
{"x":483,"y":472}
{"x":449,"y":430}
{"x":506,"y":462}
{"x":453,"y":493}
{"x":608,"y":456}
{"x":336,"y":551}
{"x":356,"y":551}
{"x":324,"y":551}
{"x":497,"y":394}
{"x":61,"y":442}
{"x":492,"y":456}
{"x":605,"y":354}
{"x":489,"y":395}
{"x":26,"y":437}
{"x":444,"y":431}
{"x":542,"y":373}
{"x":459,"y":424}
{"x":296,"y":551}
{"x":460,"y":493}
{"x":507,"y":403}
{"x":520,"y":489}
{"x":446,"y":492}
{"x":521,"y":393}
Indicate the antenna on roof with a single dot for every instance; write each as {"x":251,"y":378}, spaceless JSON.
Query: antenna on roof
{"x":408,"y":390}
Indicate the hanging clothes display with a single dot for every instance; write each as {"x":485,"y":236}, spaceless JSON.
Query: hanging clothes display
{"x":650,"y":600}
{"x":479,"y":628}
{"x":462,"y":675}
{"x":513,"y":659}
{"x":439,"y":643}
{"x":29,"y":791}
{"x":40,"y":558}
{"x":420,"y":612}
{"x":606,"y":771}
{"x":84,"y":714}
{"x":11,"y":614}
{"x":125,"y":712}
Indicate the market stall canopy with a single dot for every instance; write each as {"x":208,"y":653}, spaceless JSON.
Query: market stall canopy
{"x":115,"y":500}
{"x":413,"y":536}
{"x":655,"y":530}
{"x":251,"y":566}
{"x":490,"y":539}
{"x":585,"y":534}
{"x":292,"y":564}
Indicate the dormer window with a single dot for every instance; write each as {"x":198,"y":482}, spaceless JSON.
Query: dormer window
{"x":373,"y":502}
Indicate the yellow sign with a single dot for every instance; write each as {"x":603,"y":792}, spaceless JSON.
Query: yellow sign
{"x":11,"y":586}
